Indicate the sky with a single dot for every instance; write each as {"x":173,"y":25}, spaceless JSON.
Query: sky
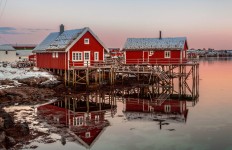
{"x":205,"y":23}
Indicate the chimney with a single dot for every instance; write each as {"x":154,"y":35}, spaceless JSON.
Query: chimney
{"x":61,"y":28}
{"x":160,"y":35}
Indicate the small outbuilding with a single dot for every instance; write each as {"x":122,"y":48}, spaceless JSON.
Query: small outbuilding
{"x":7,"y":53}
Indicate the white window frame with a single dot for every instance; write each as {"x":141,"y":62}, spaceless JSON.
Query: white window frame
{"x":56,"y":54}
{"x":96,"y":56}
{"x":87,"y":135}
{"x":167,"y":108}
{"x":53,"y":54}
{"x":97,"y":118}
{"x":76,"y":58}
{"x":167,"y":54}
{"x":78,"y":121}
{"x":86,"y":40}
{"x":151,"y":53}
{"x":184,"y":54}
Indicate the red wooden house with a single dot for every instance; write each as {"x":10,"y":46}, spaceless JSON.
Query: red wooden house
{"x":67,"y":48}
{"x":155,"y":50}
{"x":134,"y":108}
{"x":86,"y":127}
{"x":115,"y":53}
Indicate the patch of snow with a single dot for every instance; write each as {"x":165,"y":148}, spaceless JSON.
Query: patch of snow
{"x":5,"y":86}
{"x":64,"y":39}
{"x":155,"y":43}
{"x":56,"y":40}
{"x":47,"y":41}
{"x":22,"y":73}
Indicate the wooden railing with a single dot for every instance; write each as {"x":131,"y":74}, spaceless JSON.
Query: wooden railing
{"x":89,"y":63}
{"x":110,"y":62}
{"x":160,"y":61}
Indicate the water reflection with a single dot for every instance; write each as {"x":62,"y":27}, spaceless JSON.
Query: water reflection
{"x":83,"y":117}
{"x":170,"y":111}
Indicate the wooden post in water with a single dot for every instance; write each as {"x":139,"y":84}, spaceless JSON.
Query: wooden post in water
{"x":68,"y":76}
{"x":87,"y":103}
{"x":87,"y":77}
{"x":73,"y":77}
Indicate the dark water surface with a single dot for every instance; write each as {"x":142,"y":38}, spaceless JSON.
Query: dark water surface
{"x":206,"y":125}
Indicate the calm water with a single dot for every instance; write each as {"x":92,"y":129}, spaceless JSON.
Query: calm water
{"x":208,"y":124}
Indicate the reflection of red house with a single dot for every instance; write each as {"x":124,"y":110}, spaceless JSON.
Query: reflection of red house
{"x":68,"y":48}
{"x":155,"y":50}
{"x":86,"y":127}
{"x":168,"y":107}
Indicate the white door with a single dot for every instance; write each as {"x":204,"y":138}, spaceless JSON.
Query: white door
{"x":86,"y":58}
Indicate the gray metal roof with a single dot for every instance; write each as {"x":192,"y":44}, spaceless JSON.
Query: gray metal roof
{"x":154,"y":43}
{"x":57,"y":41}
{"x":6,"y":48}
{"x":21,"y":53}
{"x":66,"y":38}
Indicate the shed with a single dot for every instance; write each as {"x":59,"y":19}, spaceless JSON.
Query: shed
{"x":7,"y":53}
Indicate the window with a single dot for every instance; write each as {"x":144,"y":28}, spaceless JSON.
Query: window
{"x":87,"y":134}
{"x":77,"y":121}
{"x":77,"y":56}
{"x":167,"y":54}
{"x":86,"y":41}
{"x":151,"y":53}
{"x":55,"y":55}
{"x":184,"y":54}
{"x":96,"y":56}
{"x":6,"y":52}
{"x":97,"y":118}
{"x":167,"y":108}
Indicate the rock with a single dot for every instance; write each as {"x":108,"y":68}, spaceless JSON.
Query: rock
{"x":6,"y":82}
{"x":8,"y":120}
{"x":24,"y":128}
{"x":2,"y":147}
{"x":2,"y":136}
{"x":10,"y":141}
{"x":2,"y":93}
{"x":10,"y":97}
{"x":32,"y":81}
{"x":1,"y":122}
{"x":63,"y":140}
{"x":50,"y":83}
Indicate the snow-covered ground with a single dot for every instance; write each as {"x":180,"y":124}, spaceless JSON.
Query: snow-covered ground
{"x":21,"y":73}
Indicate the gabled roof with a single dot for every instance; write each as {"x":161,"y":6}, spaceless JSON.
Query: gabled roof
{"x":155,"y":43}
{"x":6,"y":48}
{"x":64,"y":41}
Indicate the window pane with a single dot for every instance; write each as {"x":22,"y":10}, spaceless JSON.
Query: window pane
{"x":79,"y":56}
{"x":74,"y":56}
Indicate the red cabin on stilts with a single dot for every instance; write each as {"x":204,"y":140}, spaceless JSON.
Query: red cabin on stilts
{"x":70,"y":48}
{"x":155,"y":50}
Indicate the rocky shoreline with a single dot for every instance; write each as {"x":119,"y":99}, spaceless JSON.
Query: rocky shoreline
{"x":29,"y":91}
